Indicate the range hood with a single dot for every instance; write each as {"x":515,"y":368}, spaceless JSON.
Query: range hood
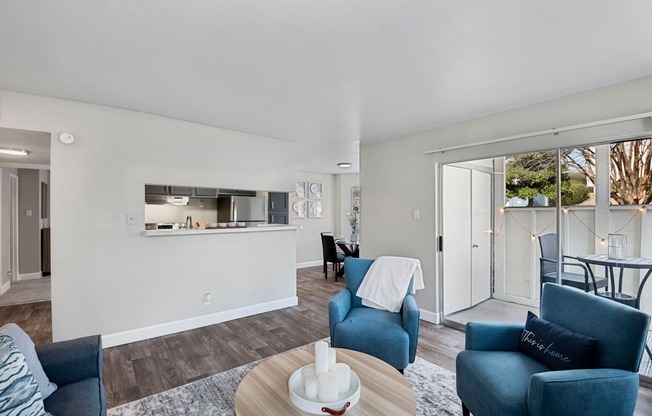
{"x":166,"y":200}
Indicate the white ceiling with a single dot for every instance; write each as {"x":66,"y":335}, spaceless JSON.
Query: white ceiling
{"x":36,"y":142}
{"x":326,"y":74}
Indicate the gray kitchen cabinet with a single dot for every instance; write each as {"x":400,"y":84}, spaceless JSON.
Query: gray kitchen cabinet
{"x":206,"y":192}
{"x":181,"y":190}
{"x":278,"y":212}
{"x":156,"y":190}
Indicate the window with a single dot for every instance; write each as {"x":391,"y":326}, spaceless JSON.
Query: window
{"x":531,"y":178}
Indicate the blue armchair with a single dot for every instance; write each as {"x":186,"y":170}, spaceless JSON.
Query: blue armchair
{"x":76,"y":367}
{"x":391,"y":337}
{"x":494,"y":378}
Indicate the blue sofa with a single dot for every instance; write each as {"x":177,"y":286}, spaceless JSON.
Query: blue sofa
{"x":391,"y":337}
{"x":76,"y":367}
{"x":494,"y":378}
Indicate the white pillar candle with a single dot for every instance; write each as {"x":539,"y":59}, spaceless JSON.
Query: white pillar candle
{"x":308,"y":370}
{"x":332,"y":354}
{"x":311,"y":387}
{"x":343,"y":372}
{"x":328,"y":390}
{"x":321,"y":357}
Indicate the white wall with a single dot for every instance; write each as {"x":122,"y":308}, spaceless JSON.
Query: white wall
{"x":309,"y":252}
{"x":397,"y":177}
{"x":109,"y":277}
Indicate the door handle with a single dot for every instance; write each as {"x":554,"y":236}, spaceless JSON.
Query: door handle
{"x":475,"y":245}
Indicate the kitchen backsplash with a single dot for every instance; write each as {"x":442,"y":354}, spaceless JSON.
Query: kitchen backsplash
{"x":200,"y":209}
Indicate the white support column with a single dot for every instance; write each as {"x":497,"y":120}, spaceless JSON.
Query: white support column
{"x":534,"y":270}
{"x":602,"y":211}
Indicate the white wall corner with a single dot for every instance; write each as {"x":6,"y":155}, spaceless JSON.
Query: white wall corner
{"x":432,"y":317}
{"x":120,"y":338}
{"x":310,"y":264}
{"x":5,"y":287}
{"x":30,"y":276}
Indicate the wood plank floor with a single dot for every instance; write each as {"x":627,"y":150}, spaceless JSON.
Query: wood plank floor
{"x":143,"y":368}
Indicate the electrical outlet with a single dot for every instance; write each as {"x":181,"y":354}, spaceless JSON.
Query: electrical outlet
{"x":207,"y":299}
{"x":416,"y":214}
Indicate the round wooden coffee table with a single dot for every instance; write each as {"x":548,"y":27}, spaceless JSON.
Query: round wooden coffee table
{"x":384,"y":391}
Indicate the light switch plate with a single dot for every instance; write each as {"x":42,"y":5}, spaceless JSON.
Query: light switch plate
{"x":131,"y":219}
{"x":28,"y":213}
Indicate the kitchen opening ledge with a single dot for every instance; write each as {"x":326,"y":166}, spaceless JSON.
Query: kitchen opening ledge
{"x":203,"y":231}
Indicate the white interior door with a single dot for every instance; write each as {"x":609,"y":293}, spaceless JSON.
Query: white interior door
{"x":456,"y":229}
{"x":480,"y":237}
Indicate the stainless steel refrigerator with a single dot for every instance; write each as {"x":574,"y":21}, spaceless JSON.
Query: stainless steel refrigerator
{"x":248,"y":209}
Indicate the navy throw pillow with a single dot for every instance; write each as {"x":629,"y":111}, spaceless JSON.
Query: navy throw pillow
{"x":555,"y":346}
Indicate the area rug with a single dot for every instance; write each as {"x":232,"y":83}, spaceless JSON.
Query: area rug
{"x":214,"y":396}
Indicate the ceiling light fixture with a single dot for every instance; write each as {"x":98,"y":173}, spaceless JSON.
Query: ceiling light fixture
{"x":12,"y":151}
{"x":344,"y":164}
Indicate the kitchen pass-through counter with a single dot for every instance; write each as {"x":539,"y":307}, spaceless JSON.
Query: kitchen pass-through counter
{"x":231,"y":230}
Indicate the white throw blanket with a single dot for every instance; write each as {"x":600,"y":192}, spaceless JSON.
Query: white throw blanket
{"x":387,"y":280}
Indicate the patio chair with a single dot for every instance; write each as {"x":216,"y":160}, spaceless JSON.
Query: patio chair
{"x":548,"y":268}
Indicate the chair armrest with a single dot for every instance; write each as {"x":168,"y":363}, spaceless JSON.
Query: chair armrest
{"x":69,"y":361}
{"x":482,"y":336}
{"x":543,"y":259}
{"x":410,"y":316}
{"x":338,"y":307}
{"x":565,"y":263}
{"x":598,"y":391}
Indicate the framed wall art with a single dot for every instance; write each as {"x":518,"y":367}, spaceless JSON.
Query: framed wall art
{"x":298,"y":209}
{"x":314,"y":209}
{"x":315,"y":190}
{"x":299,"y":189}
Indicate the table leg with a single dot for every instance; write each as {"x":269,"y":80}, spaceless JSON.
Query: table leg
{"x":613,"y":282}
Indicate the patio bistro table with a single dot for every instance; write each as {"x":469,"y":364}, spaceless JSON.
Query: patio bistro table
{"x":626,"y":263}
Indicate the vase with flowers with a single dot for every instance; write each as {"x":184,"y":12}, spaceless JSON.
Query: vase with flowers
{"x":354,"y":221}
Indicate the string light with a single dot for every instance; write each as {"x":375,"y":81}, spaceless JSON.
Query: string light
{"x":641,"y":209}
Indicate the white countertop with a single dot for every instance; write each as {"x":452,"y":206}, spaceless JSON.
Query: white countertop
{"x":202,"y":231}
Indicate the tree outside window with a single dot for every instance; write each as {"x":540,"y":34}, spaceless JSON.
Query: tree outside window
{"x":629,"y":177}
{"x":530,"y":180}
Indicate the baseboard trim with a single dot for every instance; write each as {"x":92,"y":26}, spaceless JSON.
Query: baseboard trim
{"x":120,"y":338}
{"x":5,"y":287}
{"x":30,"y":276}
{"x":432,"y":317}
{"x":310,"y":264}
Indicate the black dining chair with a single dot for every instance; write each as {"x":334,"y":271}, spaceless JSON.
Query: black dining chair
{"x":548,"y":268}
{"x":331,"y":255}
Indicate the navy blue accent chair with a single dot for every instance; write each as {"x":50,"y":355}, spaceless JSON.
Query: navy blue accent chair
{"x":391,"y":337}
{"x":76,"y":367}
{"x":494,"y":378}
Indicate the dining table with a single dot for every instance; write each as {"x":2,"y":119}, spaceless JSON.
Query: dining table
{"x":615,"y":292}
{"x":350,"y":248}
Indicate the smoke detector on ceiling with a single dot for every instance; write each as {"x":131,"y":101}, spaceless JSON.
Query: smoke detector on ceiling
{"x":66,"y":138}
